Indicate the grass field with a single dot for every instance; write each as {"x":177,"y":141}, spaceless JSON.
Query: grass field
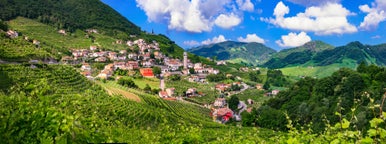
{"x":152,"y":82}
{"x":317,"y":71}
{"x":256,"y":95}
{"x":207,"y":89}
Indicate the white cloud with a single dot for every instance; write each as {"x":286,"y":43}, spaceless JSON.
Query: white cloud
{"x":328,"y":19}
{"x":280,"y":10}
{"x":251,"y":38}
{"x":191,"y":43}
{"x":293,"y":40}
{"x":227,"y":21}
{"x":376,"y":37}
{"x":313,"y":2}
{"x":375,"y":15}
{"x":245,"y":5}
{"x":214,"y":40}
{"x":195,"y":15}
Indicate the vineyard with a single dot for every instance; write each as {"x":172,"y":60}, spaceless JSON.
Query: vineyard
{"x":20,"y":50}
{"x":55,"y":104}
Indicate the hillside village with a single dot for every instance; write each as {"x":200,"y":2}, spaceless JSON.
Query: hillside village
{"x":143,"y":56}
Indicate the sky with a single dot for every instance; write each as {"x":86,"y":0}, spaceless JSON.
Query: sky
{"x":277,"y":24}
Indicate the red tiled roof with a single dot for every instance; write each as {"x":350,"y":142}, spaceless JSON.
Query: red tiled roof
{"x":147,"y":72}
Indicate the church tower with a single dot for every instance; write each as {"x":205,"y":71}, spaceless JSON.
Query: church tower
{"x":185,"y":60}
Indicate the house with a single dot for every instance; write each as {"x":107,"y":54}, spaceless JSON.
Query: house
{"x":133,"y":56}
{"x":132,"y":65}
{"x":87,"y":74}
{"x":212,"y":71}
{"x":113,"y":56}
{"x":130,"y":43}
{"x":259,"y":86}
{"x":146,"y":56}
{"x":219,"y":102}
{"x":223,"y":114}
{"x":173,"y":64}
{"x":191,"y":92}
{"x":109,"y":67}
{"x":62,"y":31}
{"x":222,"y":87}
{"x":123,"y":52}
{"x":147,"y":63}
{"x":118,"y":42}
{"x":101,"y":59}
{"x":221,"y":63}
{"x":105,"y":74}
{"x":36,"y":42}
{"x":85,"y":67}
{"x":250,"y":101}
{"x":120,"y":65}
{"x":198,"y":66}
{"x":93,"y":48}
{"x":185,"y":71}
{"x":147,"y":72}
{"x":121,"y":58}
{"x":275,"y":92}
{"x":12,"y":34}
{"x":163,"y":94}
{"x":170,"y":91}
{"x":92,"y":31}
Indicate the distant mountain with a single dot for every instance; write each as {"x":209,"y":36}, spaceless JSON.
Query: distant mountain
{"x":252,"y":53}
{"x":355,"y":51}
{"x":318,"y":53}
{"x":297,"y":55}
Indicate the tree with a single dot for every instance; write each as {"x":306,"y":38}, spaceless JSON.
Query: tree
{"x":233,"y":102}
{"x":266,"y":85}
{"x":254,"y":76}
{"x":127,"y":82}
{"x":175,"y":77}
{"x":152,"y":56}
{"x":3,"y":26}
{"x":147,"y":88}
{"x":156,"y":70}
{"x":191,"y":71}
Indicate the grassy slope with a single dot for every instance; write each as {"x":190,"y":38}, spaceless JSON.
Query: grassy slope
{"x":317,"y":71}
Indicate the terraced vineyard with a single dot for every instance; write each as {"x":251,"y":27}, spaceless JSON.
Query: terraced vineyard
{"x":55,"y":104}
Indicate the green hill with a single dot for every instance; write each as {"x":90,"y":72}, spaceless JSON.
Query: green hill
{"x":296,"y":56}
{"x":70,"y":15}
{"x":321,"y":54}
{"x":251,"y":53}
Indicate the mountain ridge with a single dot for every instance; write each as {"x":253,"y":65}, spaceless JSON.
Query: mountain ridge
{"x":235,"y":51}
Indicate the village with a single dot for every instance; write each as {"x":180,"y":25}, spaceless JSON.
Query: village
{"x":143,"y":56}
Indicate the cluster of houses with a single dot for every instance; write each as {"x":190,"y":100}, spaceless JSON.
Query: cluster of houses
{"x":221,"y":87}
{"x":148,"y":55}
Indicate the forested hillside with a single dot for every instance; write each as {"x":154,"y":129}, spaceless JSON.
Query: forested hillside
{"x":250,"y":53}
{"x":357,"y":96}
{"x":70,"y":15}
{"x":320,"y":54}
{"x":297,"y":56}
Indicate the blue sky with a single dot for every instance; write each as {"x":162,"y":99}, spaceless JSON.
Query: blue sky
{"x":277,"y":24}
